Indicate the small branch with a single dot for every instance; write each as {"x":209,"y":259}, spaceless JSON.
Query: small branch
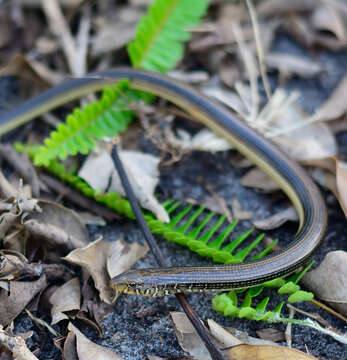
{"x":191,"y":314}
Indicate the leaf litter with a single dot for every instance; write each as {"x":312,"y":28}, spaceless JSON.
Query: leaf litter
{"x":326,"y":18}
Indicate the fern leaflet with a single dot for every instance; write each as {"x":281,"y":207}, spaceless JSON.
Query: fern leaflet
{"x":158,"y":44}
{"x":107,"y":116}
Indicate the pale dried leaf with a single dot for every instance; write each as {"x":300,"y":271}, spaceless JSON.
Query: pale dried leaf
{"x":341,"y":182}
{"x":271,"y":334}
{"x":12,"y":303}
{"x":334,"y":181}
{"x":123,"y":256}
{"x":191,"y":77}
{"x":142,"y":170}
{"x":334,"y":107}
{"x":291,"y":64}
{"x":256,"y":178}
{"x":265,"y":352}
{"x":278,"y":219}
{"x":11,"y":265}
{"x":43,"y":323}
{"x":204,"y":140}
{"x":187,"y":337}
{"x":16,"y":345}
{"x":231,"y":337}
{"x":238,"y":212}
{"x":91,"y":219}
{"x":66,"y":298}
{"x":87,"y":350}
{"x":65,"y":221}
{"x":329,"y":280}
{"x":97,"y":257}
{"x":328,"y":18}
{"x":282,"y":7}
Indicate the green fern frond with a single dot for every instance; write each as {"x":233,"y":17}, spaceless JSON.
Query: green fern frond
{"x":158,"y":43}
{"x":227,"y":304}
{"x":105,"y":117}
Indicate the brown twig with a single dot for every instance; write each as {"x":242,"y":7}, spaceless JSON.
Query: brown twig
{"x":190,"y":312}
{"x":329,"y":310}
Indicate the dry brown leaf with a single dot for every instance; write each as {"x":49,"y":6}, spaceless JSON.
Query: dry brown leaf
{"x":63,"y":224}
{"x":13,"y":302}
{"x":87,"y":350}
{"x":271,"y":334}
{"x":187,"y":337}
{"x":16,"y":345}
{"x":105,"y":40}
{"x":334,"y":107}
{"x":11,"y":265}
{"x":265,"y":352}
{"x":66,"y":298}
{"x":335,"y":182}
{"x":238,"y":212}
{"x":98,"y":259}
{"x":272,"y":7}
{"x":231,"y":337}
{"x":341,"y":182}
{"x":32,"y":71}
{"x":256,"y":178}
{"x":278,"y":219}
{"x":204,"y":140}
{"x":329,"y":280}
{"x":69,"y":350}
{"x":141,"y":168}
{"x":328,"y":18}
{"x":288,"y":65}
{"x":192,"y":343}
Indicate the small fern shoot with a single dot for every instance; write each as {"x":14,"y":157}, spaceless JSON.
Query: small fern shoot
{"x":107,"y":116}
{"x":158,"y":43}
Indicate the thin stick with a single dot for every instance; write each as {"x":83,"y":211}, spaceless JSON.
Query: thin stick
{"x":329,"y":310}
{"x":61,"y":29}
{"x":192,"y":315}
{"x":259,"y":47}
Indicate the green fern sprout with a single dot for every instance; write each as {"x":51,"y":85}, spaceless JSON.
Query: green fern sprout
{"x":158,"y":44}
{"x":107,"y":116}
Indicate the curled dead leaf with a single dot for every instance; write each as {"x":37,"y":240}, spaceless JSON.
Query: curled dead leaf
{"x":87,"y":350}
{"x":329,"y":280}
{"x":20,"y":293}
{"x":58,"y":225}
{"x":328,"y":18}
{"x":277,"y":219}
{"x":104,"y":260}
{"x":142,"y":170}
{"x":333,"y":108}
{"x":257,"y":179}
{"x":265,"y":352}
{"x":65,"y":298}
